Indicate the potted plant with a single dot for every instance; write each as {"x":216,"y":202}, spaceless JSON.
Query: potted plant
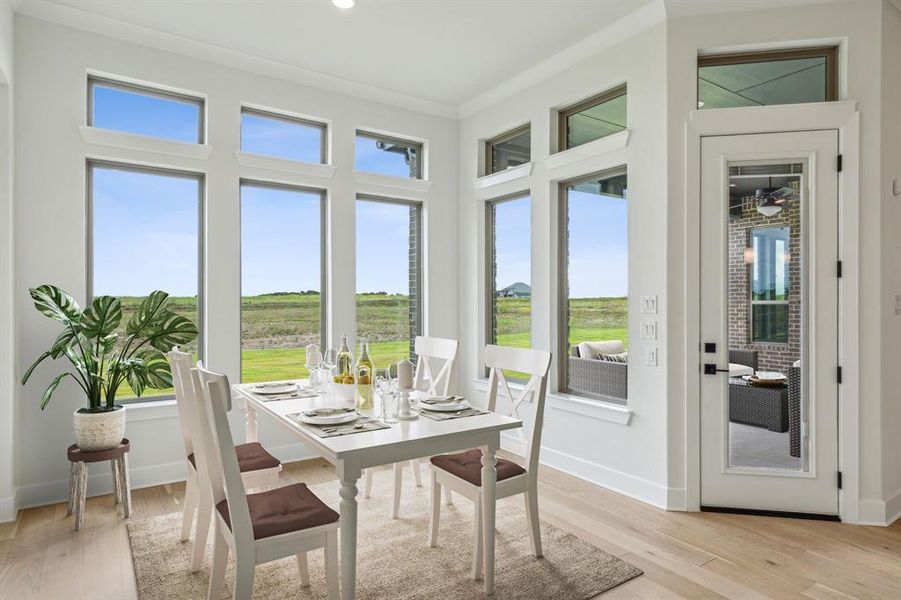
{"x":101,"y":361}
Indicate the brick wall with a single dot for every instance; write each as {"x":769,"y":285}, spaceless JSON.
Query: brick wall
{"x":772,"y":357}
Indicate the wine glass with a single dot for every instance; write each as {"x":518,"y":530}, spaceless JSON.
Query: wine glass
{"x":330,"y":360}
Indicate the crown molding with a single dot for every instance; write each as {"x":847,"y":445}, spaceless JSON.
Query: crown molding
{"x":81,"y":19}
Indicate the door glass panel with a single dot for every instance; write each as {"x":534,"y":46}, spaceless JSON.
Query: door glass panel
{"x":767,"y":399}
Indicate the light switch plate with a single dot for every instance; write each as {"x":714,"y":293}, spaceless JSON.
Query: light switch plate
{"x":898,"y":304}
{"x":649,"y":330}
{"x":652,"y":357}
{"x":649,"y":305}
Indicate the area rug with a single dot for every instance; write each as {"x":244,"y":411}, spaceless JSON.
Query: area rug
{"x":393,"y":557}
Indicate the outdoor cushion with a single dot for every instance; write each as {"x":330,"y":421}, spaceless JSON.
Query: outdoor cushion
{"x":251,"y":457}
{"x":468,"y":466}
{"x":283,"y":510}
{"x":622,"y":357}
{"x":593,"y":350}
{"x":736,"y":370}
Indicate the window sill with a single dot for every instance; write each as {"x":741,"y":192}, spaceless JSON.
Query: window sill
{"x":593,"y":409}
{"x":130,"y":141}
{"x":606,"y":144}
{"x":151,"y":410}
{"x":505,"y":176}
{"x":394,"y":183}
{"x":284,"y":165}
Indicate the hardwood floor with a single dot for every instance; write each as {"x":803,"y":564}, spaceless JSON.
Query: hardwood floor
{"x":683,"y":555}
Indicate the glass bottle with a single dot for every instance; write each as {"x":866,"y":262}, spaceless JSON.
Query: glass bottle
{"x":364,"y":377}
{"x":345,"y":363}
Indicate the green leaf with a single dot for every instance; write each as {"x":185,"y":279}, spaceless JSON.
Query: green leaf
{"x":31,"y":369}
{"x":108,"y":343}
{"x":62,"y":342}
{"x":102,"y":317}
{"x":54,"y":303}
{"x":171,"y":330}
{"x":48,"y":393}
{"x":149,"y":312}
{"x":159,"y":374}
{"x":136,"y":373}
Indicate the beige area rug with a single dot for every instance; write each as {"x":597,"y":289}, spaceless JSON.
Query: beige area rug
{"x":393,"y":557}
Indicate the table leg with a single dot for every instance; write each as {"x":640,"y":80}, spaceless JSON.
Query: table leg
{"x":250,"y":423}
{"x":349,"y":475}
{"x":489,"y":490}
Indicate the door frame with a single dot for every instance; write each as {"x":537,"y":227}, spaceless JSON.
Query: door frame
{"x":845,"y":119}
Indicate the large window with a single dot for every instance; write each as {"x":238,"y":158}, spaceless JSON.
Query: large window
{"x":389,"y":276}
{"x":388,"y":156}
{"x":281,"y":279}
{"x":282,"y":137}
{"x":508,"y":150}
{"x":145,"y":111}
{"x":770,"y":77}
{"x":593,"y":119}
{"x":594,"y":286}
{"x":769,"y":284}
{"x":508,"y":244}
{"x":145,"y":235}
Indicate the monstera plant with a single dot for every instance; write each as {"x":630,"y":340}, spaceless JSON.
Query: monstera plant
{"x":102,"y":360}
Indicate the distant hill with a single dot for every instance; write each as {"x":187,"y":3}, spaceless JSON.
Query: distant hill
{"x":516,"y":290}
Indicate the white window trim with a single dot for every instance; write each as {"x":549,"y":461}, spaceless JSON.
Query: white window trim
{"x":507,"y":175}
{"x":131,"y":141}
{"x":588,"y":150}
{"x":284,"y":165}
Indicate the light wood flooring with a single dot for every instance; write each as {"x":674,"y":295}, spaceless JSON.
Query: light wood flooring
{"x":683,"y":555}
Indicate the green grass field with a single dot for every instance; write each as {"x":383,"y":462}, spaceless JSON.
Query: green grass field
{"x":275,"y":328}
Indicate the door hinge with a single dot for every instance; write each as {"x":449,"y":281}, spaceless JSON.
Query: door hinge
{"x":838,"y":479}
{"x":838,"y":163}
{"x":838,"y":374}
{"x":838,"y":269}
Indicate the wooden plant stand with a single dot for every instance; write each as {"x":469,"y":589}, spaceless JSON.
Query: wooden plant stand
{"x":78,"y":478}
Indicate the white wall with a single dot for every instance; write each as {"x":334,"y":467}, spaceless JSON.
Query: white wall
{"x":50,"y":204}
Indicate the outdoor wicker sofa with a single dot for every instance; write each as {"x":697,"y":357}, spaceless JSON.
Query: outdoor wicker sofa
{"x":597,"y":377}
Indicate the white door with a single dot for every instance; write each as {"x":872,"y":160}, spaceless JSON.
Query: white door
{"x":769,"y":322}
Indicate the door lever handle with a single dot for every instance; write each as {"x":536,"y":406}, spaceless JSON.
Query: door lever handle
{"x":711,"y":369}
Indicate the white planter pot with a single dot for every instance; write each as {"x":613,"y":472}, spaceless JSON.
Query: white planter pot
{"x":99,"y":431}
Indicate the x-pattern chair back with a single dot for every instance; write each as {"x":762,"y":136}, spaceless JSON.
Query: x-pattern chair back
{"x":438,"y":349}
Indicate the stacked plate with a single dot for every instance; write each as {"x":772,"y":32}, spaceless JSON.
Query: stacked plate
{"x":328,"y":416}
{"x":275,"y":388}
{"x":443,"y":403}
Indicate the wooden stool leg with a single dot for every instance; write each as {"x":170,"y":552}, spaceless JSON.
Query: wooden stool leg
{"x":82,"y":494}
{"x":125,"y":482}
{"x":73,"y":470}
{"x":114,"y":469}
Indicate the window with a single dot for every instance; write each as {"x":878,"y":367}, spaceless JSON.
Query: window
{"x":593,"y":119}
{"x":145,"y":111}
{"x":145,"y":235}
{"x":594,"y":286}
{"x":389,"y":276}
{"x":508,"y":244}
{"x":769,"y":284}
{"x":283,"y":137}
{"x":388,"y":156}
{"x":770,"y":77}
{"x":508,"y":150}
{"x":282,"y":253}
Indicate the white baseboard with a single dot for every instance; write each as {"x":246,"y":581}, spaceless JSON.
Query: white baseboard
{"x":100,"y":480}
{"x":9,"y":507}
{"x":881,"y":513}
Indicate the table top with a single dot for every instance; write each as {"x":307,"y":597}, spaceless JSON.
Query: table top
{"x":423,"y":431}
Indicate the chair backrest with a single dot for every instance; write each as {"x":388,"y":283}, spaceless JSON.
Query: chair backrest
{"x":223,"y":471}
{"x":185,"y":398}
{"x":534,"y":363}
{"x":431,"y":350}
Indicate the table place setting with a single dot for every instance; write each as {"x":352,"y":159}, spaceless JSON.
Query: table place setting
{"x":332,"y":422}
{"x":443,"y":408}
{"x":282,"y":390}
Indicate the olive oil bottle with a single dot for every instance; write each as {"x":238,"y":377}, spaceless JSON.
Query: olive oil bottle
{"x":365,"y":373}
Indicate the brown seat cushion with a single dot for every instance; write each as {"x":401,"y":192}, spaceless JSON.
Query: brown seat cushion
{"x":468,"y":466}
{"x":251,"y":457}
{"x":283,"y":510}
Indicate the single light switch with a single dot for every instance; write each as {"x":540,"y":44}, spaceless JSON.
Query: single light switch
{"x":652,"y":357}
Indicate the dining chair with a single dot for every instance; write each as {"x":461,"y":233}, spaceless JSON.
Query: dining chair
{"x":262,"y":527}
{"x":462,"y":472}
{"x":432,"y":352}
{"x":259,"y":469}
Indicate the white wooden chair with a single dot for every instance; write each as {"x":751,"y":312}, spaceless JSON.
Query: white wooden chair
{"x":434,"y":352}
{"x":262,"y":527}
{"x":259,"y":469}
{"x":462,"y":472}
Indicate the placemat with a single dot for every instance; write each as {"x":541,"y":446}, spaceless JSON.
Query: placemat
{"x":446,"y":416}
{"x":326,"y":431}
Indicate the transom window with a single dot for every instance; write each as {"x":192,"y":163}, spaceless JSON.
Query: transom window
{"x":145,"y":111}
{"x":281,"y":136}
{"x":593,"y":119}
{"x":388,"y":156}
{"x":769,"y":77}
{"x":508,"y":150}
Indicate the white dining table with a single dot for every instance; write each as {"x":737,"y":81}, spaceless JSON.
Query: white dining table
{"x":351,"y":453}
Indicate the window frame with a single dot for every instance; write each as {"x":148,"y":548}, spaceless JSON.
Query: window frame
{"x":323,"y":256}
{"x":379,"y":137}
{"x":491,"y":142}
{"x":752,"y":302}
{"x":420,"y":244}
{"x":830,"y":53}
{"x":564,"y":113}
{"x":90,"y":165}
{"x":293,"y":120}
{"x":563,"y":283}
{"x":147,"y":90}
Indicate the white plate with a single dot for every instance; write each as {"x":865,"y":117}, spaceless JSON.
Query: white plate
{"x":770,"y":376}
{"x":337,"y":419}
{"x":274,"y":388}
{"x":445,"y":407}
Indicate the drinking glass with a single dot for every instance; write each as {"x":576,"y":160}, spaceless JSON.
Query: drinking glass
{"x":390,"y":406}
{"x":330,"y":360}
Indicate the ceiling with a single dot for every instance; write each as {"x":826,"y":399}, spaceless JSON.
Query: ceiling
{"x":444,"y":51}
